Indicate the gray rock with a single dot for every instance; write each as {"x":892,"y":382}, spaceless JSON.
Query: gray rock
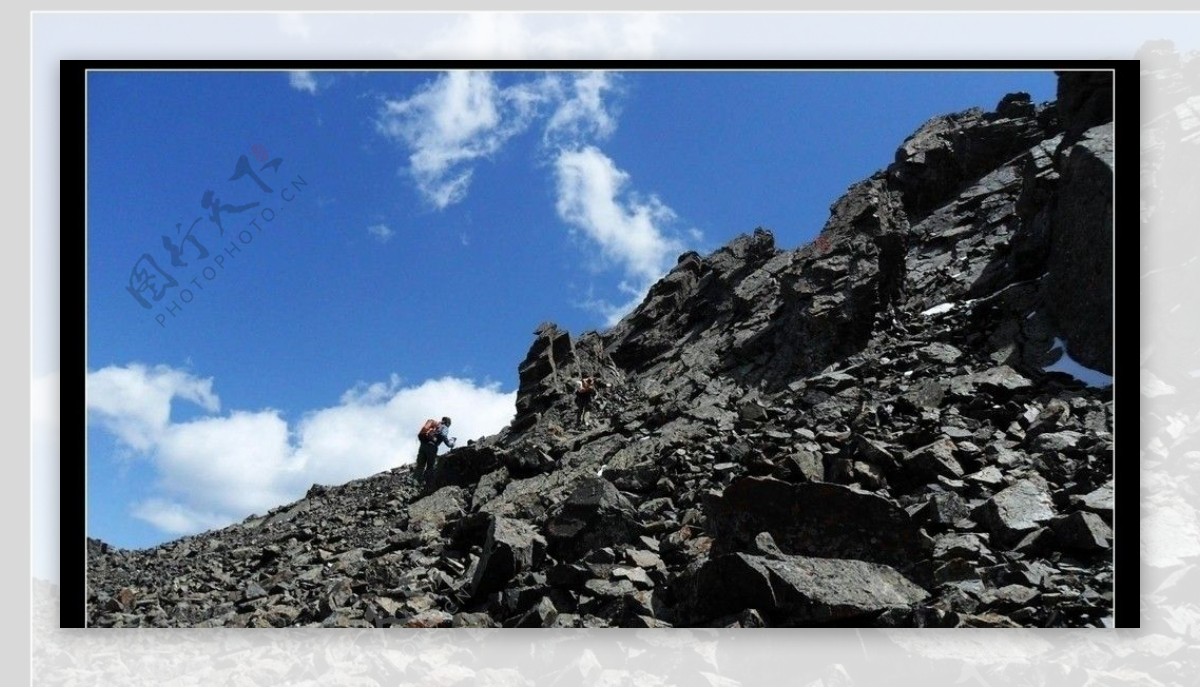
{"x":644,"y":559}
{"x":464,"y":466}
{"x":337,"y":594}
{"x":512,"y":547}
{"x":955,"y":569}
{"x":942,"y":509}
{"x":1037,"y":541}
{"x":1056,"y":441}
{"x":634,"y":575}
{"x":596,"y":515}
{"x":1098,"y":501}
{"x":542,"y":615}
{"x":1001,"y":380}
{"x":968,"y":546}
{"x":473,"y":620}
{"x":933,"y":460}
{"x":816,"y":519}
{"x":1016,"y":510}
{"x":803,"y":590}
{"x":1011,"y":596}
{"x":1082,"y":530}
{"x":925,"y":394}
{"x":753,"y":412}
{"x":430,"y":618}
{"x":988,"y":477}
{"x":642,"y":621}
{"x":764,"y":545}
{"x":1016,"y":105}
{"x":874,"y":453}
{"x":942,"y":353}
{"x":489,"y":487}
{"x":609,"y":588}
{"x":1079,"y":279}
{"x":805,"y":465}
{"x":430,"y":513}
{"x":253,"y":591}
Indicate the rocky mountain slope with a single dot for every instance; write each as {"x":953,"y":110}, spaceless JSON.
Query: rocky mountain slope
{"x":861,"y":431}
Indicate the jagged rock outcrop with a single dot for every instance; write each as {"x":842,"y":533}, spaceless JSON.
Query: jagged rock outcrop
{"x":857,"y":431}
{"x":1079,"y":279}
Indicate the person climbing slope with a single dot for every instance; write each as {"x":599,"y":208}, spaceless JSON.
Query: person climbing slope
{"x":432,"y":434}
{"x":584,"y":395}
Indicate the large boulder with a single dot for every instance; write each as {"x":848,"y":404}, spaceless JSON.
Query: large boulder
{"x":816,"y":519}
{"x":463,"y":466}
{"x":544,"y":374}
{"x":595,"y":515}
{"x":1084,"y":101}
{"x":1080,"y":263}
{"x":429,"y":514}
{"x":795,"y":590}
{"x":511,"y":547}
{"x":950,"y":151}
{"x":1016,"y":511}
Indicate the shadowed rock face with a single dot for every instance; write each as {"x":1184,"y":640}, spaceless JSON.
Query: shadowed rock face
{"x":858,"y":431}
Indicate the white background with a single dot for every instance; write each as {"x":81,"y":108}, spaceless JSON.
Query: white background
{"x":1166,"y":650}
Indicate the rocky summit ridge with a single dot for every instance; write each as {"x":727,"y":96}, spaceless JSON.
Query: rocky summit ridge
{"x":860,"y":431}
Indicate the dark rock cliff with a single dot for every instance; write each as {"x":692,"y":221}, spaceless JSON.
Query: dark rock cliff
{"x":859,"y":431}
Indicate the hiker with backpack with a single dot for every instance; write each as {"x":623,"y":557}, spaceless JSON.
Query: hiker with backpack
{"x":584,"y":394}
{"x":432,"y":434}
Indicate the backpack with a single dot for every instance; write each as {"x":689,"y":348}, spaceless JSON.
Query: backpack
{"x":427,"y":430}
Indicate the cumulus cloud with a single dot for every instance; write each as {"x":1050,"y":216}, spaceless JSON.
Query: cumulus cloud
{"x":218,"y":469}
{"x":613,"y":312}
{"x":629,"y":229}
{"x":381,"y":232}
{"x":462,"y":118}
{"x":134,"y":402}
{"x":377,"y":431}
{"x":458,"y":119}
{"x":303,"y":81}
{"x":230,"y":464}
{"x":585,"y":113}
{"x":175,"y":519}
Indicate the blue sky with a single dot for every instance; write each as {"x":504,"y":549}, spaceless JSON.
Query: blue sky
{"x":417,"y":228}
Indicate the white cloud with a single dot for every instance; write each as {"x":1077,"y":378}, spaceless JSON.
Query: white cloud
{"x":464,"y":117}
{"x":371,"y":392}
{"x":375,"y":432}
{"x":216,"y":470}
{"x":134,"y":402}
{"x":612,"y":313}
{"x":175,"y":519}
{"x":303,"y":81}
{"x":452,"y":123}
{"x":381,"y":232}
{"x":592,"y":197}
{"x":584,"y":114}
{"x":229,"y":464}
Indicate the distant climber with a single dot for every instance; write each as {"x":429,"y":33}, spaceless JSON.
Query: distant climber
{"x":431,"y":435}
{"x":584,"y":395}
